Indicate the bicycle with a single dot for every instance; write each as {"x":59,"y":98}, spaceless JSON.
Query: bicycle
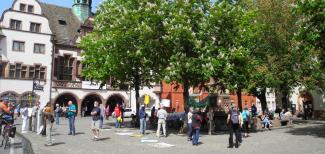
{"x":8,"y":131}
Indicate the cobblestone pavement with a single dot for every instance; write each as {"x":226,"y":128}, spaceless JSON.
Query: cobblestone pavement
{"x":302,"y":138}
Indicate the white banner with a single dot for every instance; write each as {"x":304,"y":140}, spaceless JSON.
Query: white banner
{"x":165,"y":102}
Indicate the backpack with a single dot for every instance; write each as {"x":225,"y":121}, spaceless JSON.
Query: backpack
{"x":245,"y":115}
{"x":234,"y":117}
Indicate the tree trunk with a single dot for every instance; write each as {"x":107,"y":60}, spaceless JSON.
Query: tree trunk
{"x":137,"y":95}
{"x":238,"y":92}
{"x":262,"y":98}
{"x":285,"y":101}
{"x":186,"y":95}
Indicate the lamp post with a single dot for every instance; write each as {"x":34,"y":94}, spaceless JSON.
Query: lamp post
{"x":0,"y":65}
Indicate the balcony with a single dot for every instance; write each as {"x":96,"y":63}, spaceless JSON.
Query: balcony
{"x":67,"y":84}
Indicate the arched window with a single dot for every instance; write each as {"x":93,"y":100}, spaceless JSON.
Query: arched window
{"x":28,"y":99}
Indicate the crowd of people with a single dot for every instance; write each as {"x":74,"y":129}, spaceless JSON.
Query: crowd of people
{"x":195,"y":119}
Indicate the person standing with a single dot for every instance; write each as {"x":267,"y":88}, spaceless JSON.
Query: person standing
{"x":210,"y":116}
{"x":57,"y":114}
{"x":196,"y":125}
{"x":24,"y":116}
{"x":107,"y":112}
{"x":189,"y":124}
{"x":71,"y":110}
{"x":49,"y":120}
{"x":234,"y":122}
{"x":34,"y":117}
{"x":95,"y":113}
{"x":142,"y":116}
{"x":162,"y":116}
{"x":30,"y":117}
{"x":246,"y":121}
{"x":117,"y":114}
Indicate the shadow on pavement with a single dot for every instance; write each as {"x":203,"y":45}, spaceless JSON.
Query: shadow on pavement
{"x":58,"y":143}
{"x":316,"y":131}
{"x":80,"y":133}
{"x":103,"y":139}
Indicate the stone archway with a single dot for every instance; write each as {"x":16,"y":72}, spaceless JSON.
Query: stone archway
{"x":64,"y":98}
{"x":10,"y":96}
{"x":29,"y":99}
{"x":87,"y":103}
{"x":114,"y":99}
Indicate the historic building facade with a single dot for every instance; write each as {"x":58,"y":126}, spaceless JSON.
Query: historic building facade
{"x":34,"y":36}
{"x":26,"y":51}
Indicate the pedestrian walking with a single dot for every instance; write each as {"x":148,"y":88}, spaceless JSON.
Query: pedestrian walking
{"x":162,"y":116}
{"x":102,"y":115}
{"x":57,"y":114}
{"x":24,"y":116}
{"x":71,"y":111}
{"x":142,"y":116}
{"x":196,"y":125}
{"x":95,"y":113}
{"x":49,"y":120}
{"x":210,"y":116}
{"x":246,"y":121}
{"x":189,"y":124}
{"x":234,"y":122}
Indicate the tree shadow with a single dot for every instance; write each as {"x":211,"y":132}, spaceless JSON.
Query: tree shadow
{"x":316,"y":131}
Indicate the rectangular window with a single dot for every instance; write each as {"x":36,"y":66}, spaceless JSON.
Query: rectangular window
{"x":42,"y":73}
{"x":24,"y":72}
{"x":39,"y":48}
{"x":12,"y":71}
{"x":31,"y":72}
{"x":18,"y":71}
{"x":37,"y":71}
{"x":15,"y":24}
{"x":22,"y":7}
{"x":30,"y":9}
{"x":35,"y":27}
{"x":18,"y":46}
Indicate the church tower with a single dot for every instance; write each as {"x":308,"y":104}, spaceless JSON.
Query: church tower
{"x":82,"y":9}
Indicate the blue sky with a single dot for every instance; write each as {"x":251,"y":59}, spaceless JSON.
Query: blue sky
{"x":5,"y":4}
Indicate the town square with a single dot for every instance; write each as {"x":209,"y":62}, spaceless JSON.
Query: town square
{"x":162,"y":76}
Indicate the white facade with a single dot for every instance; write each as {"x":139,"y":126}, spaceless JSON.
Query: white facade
{"x":270,"y":100}
{"x":27,"y":58}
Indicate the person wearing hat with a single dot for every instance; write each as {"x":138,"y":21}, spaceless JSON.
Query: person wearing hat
{"x":142,"y":117}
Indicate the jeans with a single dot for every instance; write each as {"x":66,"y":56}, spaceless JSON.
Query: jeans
{"x":57,"y":118}
{"x":161,"y":122}
{"x":143,"y":125}
{"x":101,"y":121}
{"x":196,"y":136}
{"x":117,"y":123}
{"x":234,"y":129}
{"x":189,"y":130}
{"x":72,"y":129}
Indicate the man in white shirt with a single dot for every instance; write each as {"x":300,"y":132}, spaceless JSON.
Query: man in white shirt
{"x":162,"y":115}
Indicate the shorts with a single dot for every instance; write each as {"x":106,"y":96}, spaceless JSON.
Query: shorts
{"x":95,"y":124}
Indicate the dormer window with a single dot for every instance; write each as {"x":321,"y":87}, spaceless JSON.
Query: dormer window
{"x":30,"y":9}
{"x":62,"y":22}
{"x":22,"y":7}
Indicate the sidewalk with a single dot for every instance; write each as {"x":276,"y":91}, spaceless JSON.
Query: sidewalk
{"x":120,"y":141}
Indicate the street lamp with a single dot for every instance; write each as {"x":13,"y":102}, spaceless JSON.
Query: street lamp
{"x":0,"y":65}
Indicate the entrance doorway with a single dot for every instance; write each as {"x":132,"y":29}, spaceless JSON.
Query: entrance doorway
{"x":87,"y":104}
{"x":113,"y":100}
{"x":63,"y":100}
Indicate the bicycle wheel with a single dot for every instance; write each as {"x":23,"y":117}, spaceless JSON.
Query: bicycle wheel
{"x":7,"y":144}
